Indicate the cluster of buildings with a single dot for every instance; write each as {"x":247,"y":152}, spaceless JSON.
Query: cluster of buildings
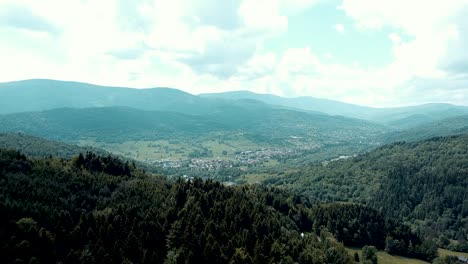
{"x":238,"y":159}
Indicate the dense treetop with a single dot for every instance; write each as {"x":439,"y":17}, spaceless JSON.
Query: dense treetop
{"x":97,"y":209}
{"x":423,"y":183}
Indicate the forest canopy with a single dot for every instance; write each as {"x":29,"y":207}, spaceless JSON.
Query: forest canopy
{"x":98,"y":209}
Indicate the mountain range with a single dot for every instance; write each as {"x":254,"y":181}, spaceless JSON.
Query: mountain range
{"x":42,"y":94}
{"x":73,"y":111}
{"x":398,"y":117}
{"x":342,"y":171}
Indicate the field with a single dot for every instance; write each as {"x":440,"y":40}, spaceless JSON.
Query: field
{"x":384,"y":258}
{"x":177,"y":149}
{"x":445,"y":252}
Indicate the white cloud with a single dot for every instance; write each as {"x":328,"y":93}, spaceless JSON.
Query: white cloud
{"x":208,"y":45}
{"x":395,"y":38}
{"x":339,"y":28}
{"x":292,"y":7}
{"x":432,"y":28}
{"x":209,"y":37}
{"x":262,"y":14}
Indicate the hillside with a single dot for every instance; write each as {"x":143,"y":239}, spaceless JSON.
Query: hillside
{"x":245,"y":125}
{"x":40,"y":147}
{"x":399,"y":117}
{"x":109,"y":122}
{"x":305,"y":103}
{"x":243,"y":115}
{"x":445,"y":127}
{"x":41,"y":95}
{"x":100,"y":209}
{"x":106,"y":123}
{"x":423,"y":183}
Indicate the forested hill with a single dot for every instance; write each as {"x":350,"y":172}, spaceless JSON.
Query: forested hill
{"x":446,"y":127}
{"x":423,"y":183}
{"x":119,"y":124}
{"x":94,"y":209}
{"x":398,"y":117}
{"x":40,"y":147}
{"x":42,"y":94}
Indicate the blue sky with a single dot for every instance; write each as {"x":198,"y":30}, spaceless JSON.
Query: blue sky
{"x":329,"y":31}
{"x":369,"y":52}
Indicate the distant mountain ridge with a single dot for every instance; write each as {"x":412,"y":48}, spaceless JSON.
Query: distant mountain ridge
{"x":41,"y":94}
{"x":305,"y":103}
{"x":399,"y":117}
{"x":446,"y":127}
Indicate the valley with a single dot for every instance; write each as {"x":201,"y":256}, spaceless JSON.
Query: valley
{"x":233,"y":132}
{"x":399,"y":187}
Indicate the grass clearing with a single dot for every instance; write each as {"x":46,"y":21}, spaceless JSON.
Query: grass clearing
{"x":445,"y":252}
{"x":176,"y":149}
{"x":146,"y":150}
{"x":385,"y":258}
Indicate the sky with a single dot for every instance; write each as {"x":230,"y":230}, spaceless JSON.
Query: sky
{"x":377,"y":53}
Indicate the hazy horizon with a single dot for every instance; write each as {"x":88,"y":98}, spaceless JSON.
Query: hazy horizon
{"x":233,"y":91}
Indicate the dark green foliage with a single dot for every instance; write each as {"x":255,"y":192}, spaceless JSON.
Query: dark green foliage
{"x":108,"y":165}
{"x":94,"y":209}
{"x":40,"y":147}
{"x":356,"y":225}
{"x":369,"y":255}
{"x":356,"y":257}
{"x":424,"y":184}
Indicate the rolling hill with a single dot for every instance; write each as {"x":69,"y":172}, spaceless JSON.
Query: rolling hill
{"x":41,"y":95}
{"x":424,"y":183}
{"x":94,"y":209}
{"x":399,"y":117}
{"x":305,"y":103}
{"x":40,"y":147}
{"x":116,"y":124}
{"x":445,"y":127}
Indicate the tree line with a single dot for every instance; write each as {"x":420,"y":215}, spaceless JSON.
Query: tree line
{"x":98,"y":209}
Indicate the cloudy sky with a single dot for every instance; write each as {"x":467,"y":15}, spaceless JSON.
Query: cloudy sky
{"x":370,"y":52}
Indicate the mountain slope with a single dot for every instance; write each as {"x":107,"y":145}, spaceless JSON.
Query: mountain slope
{"x":445,"y":127}
{"x":424,"y":183}
{"x":93,"y":209}
{"x":40,"y":147}
{"x":116,"y":124}
{"x":399,"y":117}
{"x":305,"y":103}
{"x":40,"y":95}
{"x":98,"y":210}
{"x":106,"y":124}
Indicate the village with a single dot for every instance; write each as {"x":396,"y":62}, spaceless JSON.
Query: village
{"x":238,"y":160}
